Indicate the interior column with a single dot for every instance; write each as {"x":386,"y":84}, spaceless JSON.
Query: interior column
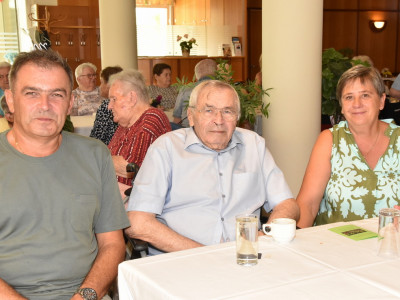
{"x":291,"y":66}
{"x":118,"y":33}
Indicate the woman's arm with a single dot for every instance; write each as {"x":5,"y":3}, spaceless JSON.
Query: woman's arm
{"x":315,"y":179}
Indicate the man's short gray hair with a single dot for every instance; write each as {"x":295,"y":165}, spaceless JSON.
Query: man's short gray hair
{"x":204,"y":88}
{"x":4,"y":64}
{"x":134,"y":81}
{"x":79,"y":69}
{"x":205,"y":67}
{"x":43,"y":59}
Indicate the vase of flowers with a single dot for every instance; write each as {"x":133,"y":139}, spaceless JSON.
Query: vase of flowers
{"x":186,"y":44}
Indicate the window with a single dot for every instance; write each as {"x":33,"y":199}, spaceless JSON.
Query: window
{"x":156,"y":37}
{"x":8,"y":31}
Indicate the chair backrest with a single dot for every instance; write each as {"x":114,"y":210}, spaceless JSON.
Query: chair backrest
{"x":135,"y":248}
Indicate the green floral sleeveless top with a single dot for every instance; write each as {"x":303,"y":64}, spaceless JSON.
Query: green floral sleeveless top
{"x":354,"y":191}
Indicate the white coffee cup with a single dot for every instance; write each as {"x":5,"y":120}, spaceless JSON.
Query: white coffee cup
{"x":283,"y":230}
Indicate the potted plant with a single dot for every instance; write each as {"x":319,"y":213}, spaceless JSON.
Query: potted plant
{"x":334,"y":64}
{"x":250,"y":95}
{"x":186,"y":45}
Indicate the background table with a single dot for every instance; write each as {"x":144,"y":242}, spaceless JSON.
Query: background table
{"x":318,"y":264}
{"x":83,"y":124}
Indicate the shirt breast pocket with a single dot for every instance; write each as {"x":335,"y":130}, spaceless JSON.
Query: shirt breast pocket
{"x":249,"y":190}
{"x":83,"y":211}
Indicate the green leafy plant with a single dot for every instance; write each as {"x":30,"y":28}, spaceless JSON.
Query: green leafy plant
{"x":334,"y":64}
{"x":188,"y":44}
{"x":250,"y":94}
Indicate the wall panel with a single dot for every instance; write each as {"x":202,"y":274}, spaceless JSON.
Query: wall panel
{"x":379,"y":5}
{"x":341,"y":4}
{"x":346,"y":25}
{"x":340,"y":30}
{"x":380,"y":46}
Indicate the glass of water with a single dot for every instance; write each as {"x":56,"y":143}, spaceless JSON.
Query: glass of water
{"x":389,"y":233}
{"x":247,"y":239}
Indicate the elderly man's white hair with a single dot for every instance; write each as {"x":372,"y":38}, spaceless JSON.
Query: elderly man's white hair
{"x":205,"y":67}
{"x":204,"y":88}
{"x":4,"y":64}
{"x":132,"y":80}
{"x":79,"y":69}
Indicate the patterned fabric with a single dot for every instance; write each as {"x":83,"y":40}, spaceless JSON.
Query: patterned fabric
{"x":104,"y":126}
{"x":132,"y":142}
{"x":168,"y":94}
{"x":354,"y":191}
{"x":1,"y":110}
{"x":86,"y":103}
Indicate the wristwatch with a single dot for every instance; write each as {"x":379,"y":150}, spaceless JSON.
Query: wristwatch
{"x":87,"y":293}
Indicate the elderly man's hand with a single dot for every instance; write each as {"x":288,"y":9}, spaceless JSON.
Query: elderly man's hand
{"x":120,"y":165}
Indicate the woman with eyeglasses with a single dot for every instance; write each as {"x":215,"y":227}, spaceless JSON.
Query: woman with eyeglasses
{"x":87,"y":96}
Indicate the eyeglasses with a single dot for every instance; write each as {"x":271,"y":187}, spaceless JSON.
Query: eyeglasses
{"x":90,"y":76}
{"x":210,"y":112}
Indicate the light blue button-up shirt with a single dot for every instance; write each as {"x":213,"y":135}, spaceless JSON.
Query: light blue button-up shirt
{"x":197,"y":191}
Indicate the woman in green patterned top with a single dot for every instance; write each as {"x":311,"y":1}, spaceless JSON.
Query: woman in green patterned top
{"x":354,"y":168}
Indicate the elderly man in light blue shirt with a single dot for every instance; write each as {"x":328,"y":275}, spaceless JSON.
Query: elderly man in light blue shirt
{"x":194,"y":181}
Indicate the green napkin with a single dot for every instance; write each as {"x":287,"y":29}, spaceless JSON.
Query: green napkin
{"x":354,"y":232}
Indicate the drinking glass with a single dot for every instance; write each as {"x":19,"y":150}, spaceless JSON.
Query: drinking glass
{"x":389,"y":233}
{"x":247,"y":239}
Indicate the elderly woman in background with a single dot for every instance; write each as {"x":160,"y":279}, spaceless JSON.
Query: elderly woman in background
{"x":104,"y":125}
{"x":139,"y":124}
{"x":87,"y":98}
{"x":162,"y":87}
{"x":354,"y":168}
{"x":8,"y":120}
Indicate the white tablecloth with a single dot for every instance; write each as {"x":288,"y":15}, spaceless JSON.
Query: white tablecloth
{"x":318,"y":264}
{"x":83,"y":124}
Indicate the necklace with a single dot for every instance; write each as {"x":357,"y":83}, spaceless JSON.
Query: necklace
{"x":18,"y":146}
{"x":373,"y":145}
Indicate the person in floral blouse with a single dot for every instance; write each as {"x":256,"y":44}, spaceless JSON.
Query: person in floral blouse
{"x":104,"y":126}
{"x":354,"y":169}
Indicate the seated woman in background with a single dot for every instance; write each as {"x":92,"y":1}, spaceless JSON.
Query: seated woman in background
{"x":104,"y":125}
{"x":8,"y":120}
{"x":162,"y":87}
{"x":354,"y":168}
{"x":258,"y":77}
{"x":139,"y":124}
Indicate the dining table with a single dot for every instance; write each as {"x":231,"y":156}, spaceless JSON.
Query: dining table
{"x":319,"y":263}
{"x":83,"y":124}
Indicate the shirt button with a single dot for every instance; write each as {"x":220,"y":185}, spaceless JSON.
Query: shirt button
{"x":220,"y":174}
{"x":223,"y":196}
{"x":222,"y":219}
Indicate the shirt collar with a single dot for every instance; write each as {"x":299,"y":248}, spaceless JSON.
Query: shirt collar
{"x":192,"y":139}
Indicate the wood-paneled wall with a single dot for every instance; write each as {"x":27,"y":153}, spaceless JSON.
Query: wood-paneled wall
{"x":346,"y":25}
{"x":184,"y":66}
